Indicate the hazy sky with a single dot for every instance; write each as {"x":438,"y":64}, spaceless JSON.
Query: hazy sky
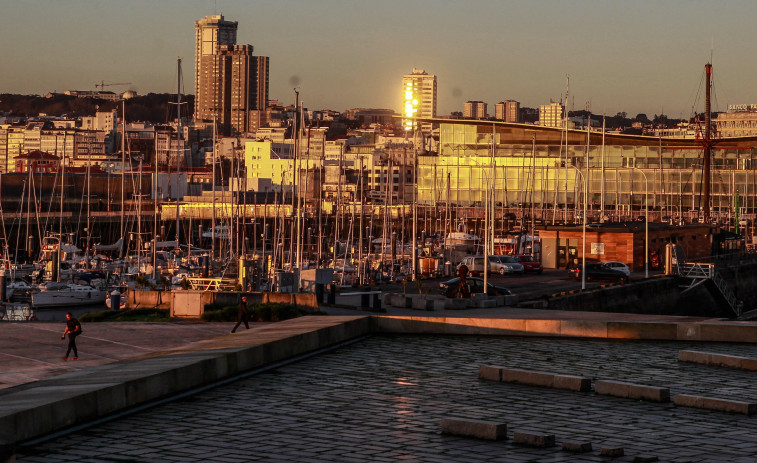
{"x":634,"y":56}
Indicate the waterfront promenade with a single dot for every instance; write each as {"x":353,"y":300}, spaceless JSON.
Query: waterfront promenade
{"x":382,"y":397}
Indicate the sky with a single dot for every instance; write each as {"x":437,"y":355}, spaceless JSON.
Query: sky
{"x":638,"y":56}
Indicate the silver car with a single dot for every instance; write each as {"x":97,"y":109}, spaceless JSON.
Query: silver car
{"x":506,"y":265}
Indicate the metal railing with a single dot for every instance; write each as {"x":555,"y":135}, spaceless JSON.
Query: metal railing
{"x":211,"y":284}
{"x":700,"y":272}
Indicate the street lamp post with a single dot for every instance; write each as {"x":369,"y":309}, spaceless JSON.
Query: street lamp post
{"x":646,"y":222}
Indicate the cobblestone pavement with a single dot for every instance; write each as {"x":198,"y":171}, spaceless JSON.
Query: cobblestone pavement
{"x":382,"y":400}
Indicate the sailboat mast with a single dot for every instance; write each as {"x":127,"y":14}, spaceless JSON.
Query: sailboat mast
{"x":123,"y":170}
{"x":89,"y":229}
{"x":602,"y":183}
{"x":213,"y":206}
{"x":179,"y":144}
{"x":707,"y":145}
{"x":60,"y":218}
{"x":155,"y":213}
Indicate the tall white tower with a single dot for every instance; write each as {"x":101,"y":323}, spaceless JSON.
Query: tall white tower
{"x":419,"y":98}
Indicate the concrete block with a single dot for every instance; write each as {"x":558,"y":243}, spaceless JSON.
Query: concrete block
{"x":710,"y":403}
{"x":420,"y":303}
{"x":685,"y":400}
{"x":534,"y":439}
{"x":726,"y":361}
{"x":438,"y":304}
{"x":489,"y":430}
{"x":485,"y":303}
{"x":572,"y":383}
{"x":730,"y":406}
{"x":613,"y":388}
{"x":645,"y":458}
{"x":511,"y":300}
{"x":532,"y":378}
{"x":693,"y":356}
{"x":612,"y":452}
{"x":499,"y":301}
{"x":749,"y":364}
{"x":632,"y":391}
{"x":577,"y":447}
{"x":490,"y":373}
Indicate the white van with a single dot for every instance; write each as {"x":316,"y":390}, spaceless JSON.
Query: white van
{"x":475,"y":265}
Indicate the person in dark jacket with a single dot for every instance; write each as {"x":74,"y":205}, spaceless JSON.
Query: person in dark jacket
{"x":73,"y":329}
{"x":242,"y":315}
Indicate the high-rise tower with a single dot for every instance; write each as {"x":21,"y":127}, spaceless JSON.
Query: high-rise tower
{"x":210,"y":32}
{"x":419,"y":98}
{"x":230,"y":83}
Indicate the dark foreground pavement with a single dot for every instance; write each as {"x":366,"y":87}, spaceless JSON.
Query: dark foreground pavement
{"x":382,"y":399}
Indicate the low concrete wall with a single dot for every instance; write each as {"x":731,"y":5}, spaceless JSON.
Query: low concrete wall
{"x":632,"y":391}
{"x":305,"y":301}
{"x":489,"y":430}
{"x":38,"y":408}
{"x":717,"y":360}
{"x":148,"y":299}
{"x":709,"y":403}
{"x":534,"y":378}
{"x":602,"y":329}
{"x":659,"y":296}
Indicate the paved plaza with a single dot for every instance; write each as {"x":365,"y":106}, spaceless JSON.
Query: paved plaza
{"x":383,"y":398}
{"x":30,"y":351}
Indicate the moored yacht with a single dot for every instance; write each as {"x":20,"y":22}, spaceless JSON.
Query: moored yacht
{"x":54,"y":294}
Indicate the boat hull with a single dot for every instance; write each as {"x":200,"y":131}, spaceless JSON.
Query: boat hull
{"x":68,"y":298}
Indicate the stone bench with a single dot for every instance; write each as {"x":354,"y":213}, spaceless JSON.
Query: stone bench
{"x":710,"y":403}
{"x":489,"y":430}
{"x":534,"y":378}
{"x":717,"y":360}
{"x":632,"y":391}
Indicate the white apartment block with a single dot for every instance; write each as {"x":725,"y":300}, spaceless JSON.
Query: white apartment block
{"x":418,"y":99}
{"x":551,"y":115}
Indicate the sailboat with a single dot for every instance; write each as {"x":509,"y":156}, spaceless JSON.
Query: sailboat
{"x":56,"y":294}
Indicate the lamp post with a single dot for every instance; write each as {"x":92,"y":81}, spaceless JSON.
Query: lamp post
{"x":646,"y":222}
{"x":583,"y":239}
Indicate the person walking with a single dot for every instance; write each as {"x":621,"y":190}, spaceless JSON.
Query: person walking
{"x":73,"y":329}
{"x":242,"y":315}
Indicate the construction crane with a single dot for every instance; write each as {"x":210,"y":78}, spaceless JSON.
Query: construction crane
{"x":102,"y":84}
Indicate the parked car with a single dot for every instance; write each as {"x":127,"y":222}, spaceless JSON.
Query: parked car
{"x":475,"y":264}
{"x":475,"y":285}
{"x":615,"y":265}
{"x":598,"y":271}
{"x":505,"y":265}
{"x":530,"y":263}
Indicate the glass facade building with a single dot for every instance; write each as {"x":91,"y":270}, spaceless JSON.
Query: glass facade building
{"x":518,"y":165}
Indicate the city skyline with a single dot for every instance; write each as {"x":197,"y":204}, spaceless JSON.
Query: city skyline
{"x":345,"y":55}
